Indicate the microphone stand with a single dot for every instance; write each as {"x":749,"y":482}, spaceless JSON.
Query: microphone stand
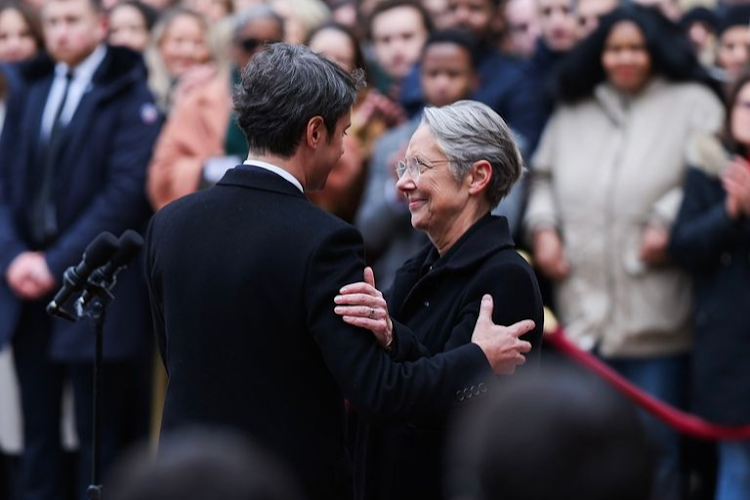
{"x":93,"y":303}
{"x":94,"y":491}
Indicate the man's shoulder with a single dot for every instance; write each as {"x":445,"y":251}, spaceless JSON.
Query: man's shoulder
{"x":284,"y":210}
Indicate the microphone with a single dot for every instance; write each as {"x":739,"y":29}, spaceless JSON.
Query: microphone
{"x":96,"y":254}
{"x":106,"y":276}
{"x":104,"y":279}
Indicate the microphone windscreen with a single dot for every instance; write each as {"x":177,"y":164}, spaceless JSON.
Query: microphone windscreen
{"x":101,"y":249}
{"x":130,"y":243}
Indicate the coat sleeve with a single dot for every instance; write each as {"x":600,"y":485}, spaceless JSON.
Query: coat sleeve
{"x":705,"y":119}
{"x":375,"y":385}
{"x":11,"y":244}
{"x":120,"y":203}
{"x":515,"y":296}
{"x":541,"y":210}
{"x":703,"y":229}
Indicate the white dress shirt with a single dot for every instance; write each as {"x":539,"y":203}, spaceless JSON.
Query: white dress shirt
{"x":276,"y":170}
{"x":79,"y":85}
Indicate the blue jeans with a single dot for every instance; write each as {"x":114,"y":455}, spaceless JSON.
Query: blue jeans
{"x":733,"y":475}
{"x":664,"y":378}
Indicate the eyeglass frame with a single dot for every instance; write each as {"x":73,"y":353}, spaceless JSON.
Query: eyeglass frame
{"x":416,"y":172}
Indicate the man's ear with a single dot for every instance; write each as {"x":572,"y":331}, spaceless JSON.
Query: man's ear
{"x":479,"y":176}
{"x":315,"y":131}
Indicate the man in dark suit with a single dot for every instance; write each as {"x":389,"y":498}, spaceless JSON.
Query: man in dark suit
{"x":72,"y":164}
{"x":242,"y":280}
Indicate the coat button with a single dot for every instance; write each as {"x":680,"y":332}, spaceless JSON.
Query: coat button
{"x":467,"y":393}
{"x":427,"y":303}
{"x":460,"y":395}
{"x":726,"y":258}
{"x":475,"y":390}
{"x":482,"y":387}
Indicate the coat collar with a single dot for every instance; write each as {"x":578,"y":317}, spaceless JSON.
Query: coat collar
{"x":488,"y":236}
{"x":474,"y":245}
{"x":617,"y":105}
{"x":253,"y":177}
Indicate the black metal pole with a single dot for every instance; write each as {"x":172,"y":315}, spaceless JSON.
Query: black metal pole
{"x":94,"y":491}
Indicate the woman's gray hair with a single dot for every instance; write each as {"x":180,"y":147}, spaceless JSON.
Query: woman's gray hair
{"x":469,"y":131}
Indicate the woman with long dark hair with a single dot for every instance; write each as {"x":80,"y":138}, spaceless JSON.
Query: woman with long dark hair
{"x":606,"y":186}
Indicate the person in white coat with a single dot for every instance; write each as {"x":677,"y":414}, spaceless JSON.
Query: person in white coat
{"x":606,"y":186}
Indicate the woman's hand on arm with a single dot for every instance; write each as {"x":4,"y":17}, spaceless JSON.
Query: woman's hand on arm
{"x":361,"y":304}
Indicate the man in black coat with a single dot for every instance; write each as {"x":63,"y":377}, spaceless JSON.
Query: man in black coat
{"x":243,"y":277}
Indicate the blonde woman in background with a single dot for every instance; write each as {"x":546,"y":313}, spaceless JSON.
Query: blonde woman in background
{"x":180,"y":41}
{"x":301,"y":17}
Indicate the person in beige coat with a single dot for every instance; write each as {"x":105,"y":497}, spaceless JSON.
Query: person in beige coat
{"x":606,"y":187}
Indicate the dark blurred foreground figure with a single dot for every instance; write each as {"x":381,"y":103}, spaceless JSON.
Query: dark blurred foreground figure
{"x":557,"y":433}
{"x":202,"y":464}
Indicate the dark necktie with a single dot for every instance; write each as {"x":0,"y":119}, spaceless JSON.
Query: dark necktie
{"x":43,"y":215}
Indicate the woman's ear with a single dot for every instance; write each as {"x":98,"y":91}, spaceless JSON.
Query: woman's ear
{"x":479,"y":176}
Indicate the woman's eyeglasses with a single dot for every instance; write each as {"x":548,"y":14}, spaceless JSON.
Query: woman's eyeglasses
{"x":415,"y":167}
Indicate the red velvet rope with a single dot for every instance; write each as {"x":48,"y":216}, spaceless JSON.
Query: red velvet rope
{"x":679,"y":420}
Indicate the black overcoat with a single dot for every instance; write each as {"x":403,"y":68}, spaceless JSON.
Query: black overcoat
{"x":435,"y":303}
{"x":716,"y":251}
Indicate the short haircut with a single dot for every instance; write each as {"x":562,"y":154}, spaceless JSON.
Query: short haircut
{"x":285,"y":86}
{"x":256,"y":12}
{"x":198,"y":464}
{"x":455,"y":37}
{"x":557,"y":433}
{"x":469,"y":131}
{"x":149,"y":14}
{"x":395,"y":4}
{"x":672,"y":56}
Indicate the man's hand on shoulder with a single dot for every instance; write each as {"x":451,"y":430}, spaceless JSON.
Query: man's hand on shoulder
{"x":501,"y":344}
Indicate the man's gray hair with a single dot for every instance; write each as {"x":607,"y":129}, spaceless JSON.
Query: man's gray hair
{"x":282,"y":88}
{"x":469,"y":131}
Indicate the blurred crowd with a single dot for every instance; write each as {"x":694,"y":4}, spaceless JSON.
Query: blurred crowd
{"x":634,"y":122}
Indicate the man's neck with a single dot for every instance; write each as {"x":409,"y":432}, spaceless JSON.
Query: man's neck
{"x":292,"y":165}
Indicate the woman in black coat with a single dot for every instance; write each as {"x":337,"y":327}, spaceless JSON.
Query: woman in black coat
{"x":459,"y":164}
{"x":711,"y":239}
